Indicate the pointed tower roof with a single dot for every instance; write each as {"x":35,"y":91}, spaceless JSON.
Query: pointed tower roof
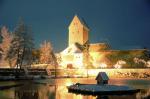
{"x":82,"y":21}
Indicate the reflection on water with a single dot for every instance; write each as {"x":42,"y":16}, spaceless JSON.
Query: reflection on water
{"x":117,"y":97}
{"x":56,"y":89}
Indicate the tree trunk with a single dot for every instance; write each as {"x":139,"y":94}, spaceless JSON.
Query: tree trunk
{"x":18,"y":58}
{"x":22,"y":57}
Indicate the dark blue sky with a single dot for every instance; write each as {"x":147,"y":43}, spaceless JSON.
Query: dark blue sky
{"x":122,"y":23}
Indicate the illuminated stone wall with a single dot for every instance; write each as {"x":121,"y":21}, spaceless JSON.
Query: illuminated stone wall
{"x":125,"y":73}
{"x":107,"y":59}
{"x":98,"y":47}
{"x":76,"y":60}
{"x":111,"y":57}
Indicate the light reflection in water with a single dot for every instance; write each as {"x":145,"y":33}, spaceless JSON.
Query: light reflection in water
{"x":56,"y":89}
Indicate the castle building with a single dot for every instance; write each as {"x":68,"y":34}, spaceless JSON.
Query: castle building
{"x":80,"y":53}
{"x":77,"y":53}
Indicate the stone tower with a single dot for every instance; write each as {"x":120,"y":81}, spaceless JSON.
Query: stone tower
{"x":78,"y":31}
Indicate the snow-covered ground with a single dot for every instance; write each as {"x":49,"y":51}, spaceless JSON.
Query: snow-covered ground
{"x":95,"y":87}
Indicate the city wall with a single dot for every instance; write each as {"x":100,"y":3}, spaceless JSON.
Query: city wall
{"x":121,"y":73}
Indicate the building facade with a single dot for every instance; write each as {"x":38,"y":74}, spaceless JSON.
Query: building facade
{"x":80,"y":53}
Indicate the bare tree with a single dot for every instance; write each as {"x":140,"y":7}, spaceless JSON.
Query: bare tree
{"x":21,"y":45}
{"x":5,"y":45}
{"x":46,"y":54}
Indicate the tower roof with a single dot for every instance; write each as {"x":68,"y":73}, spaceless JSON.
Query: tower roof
{"x":82,"y":21}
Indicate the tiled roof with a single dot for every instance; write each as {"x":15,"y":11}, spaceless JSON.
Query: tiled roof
{"x":83,"y":22}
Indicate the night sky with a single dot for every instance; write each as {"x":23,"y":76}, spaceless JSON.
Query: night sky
{"x":124,"y":24}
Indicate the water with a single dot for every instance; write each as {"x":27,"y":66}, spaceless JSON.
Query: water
{"x":56,"y":89}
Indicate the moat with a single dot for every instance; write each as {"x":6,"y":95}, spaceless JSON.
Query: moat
{"x":56,"y":89}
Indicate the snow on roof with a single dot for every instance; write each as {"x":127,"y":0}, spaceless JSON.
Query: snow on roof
{"x":72,"y":49}
{"x":98,"y":44}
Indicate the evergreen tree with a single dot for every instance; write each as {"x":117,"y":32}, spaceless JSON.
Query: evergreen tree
{"x":21,"y":45}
